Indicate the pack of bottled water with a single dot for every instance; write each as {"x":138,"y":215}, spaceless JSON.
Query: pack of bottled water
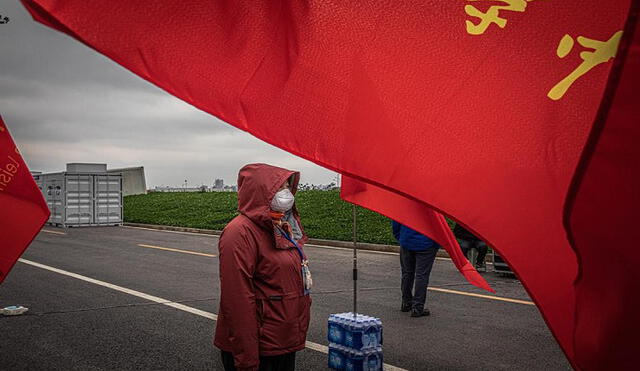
{"x":355,"y":342}
{"x":348,"y":359}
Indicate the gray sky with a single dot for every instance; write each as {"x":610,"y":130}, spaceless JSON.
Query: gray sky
{"x":64,"y":102}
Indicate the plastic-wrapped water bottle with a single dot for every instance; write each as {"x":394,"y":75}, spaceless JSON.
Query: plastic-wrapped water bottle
{"x":369,"y":335}
{"x":336,"y":357}
{"x":380,"y":333}
{"x":349,"y":333}
{"x":357,"y":326}
{"x":349,"y":361}
{"x":373,"y":360}
{"x":335,"y":331}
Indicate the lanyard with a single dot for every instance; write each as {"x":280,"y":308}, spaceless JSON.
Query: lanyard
{"x":306,"y":273}
{"x":286,"y":235}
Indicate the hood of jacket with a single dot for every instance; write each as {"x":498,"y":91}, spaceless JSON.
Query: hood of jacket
{"x":257,"y":185}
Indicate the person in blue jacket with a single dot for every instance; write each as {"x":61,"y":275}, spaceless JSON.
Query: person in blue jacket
{"x":417,"y":254}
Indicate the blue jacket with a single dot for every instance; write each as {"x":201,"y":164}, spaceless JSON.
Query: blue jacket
{"x":410,"y":239}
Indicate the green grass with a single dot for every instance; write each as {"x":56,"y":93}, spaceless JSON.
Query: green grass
{"x":195,"y":210}
{"x":323,"y":214}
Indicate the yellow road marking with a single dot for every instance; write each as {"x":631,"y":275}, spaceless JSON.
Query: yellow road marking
{"x":177,"y":250}
{"x":499,"y":298}
{"x":52,"y":232}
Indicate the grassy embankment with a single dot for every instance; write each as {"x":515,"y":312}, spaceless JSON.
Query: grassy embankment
{"x":324,"y":215}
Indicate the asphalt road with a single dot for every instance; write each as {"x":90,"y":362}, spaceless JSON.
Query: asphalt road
{"x":75,"y":323}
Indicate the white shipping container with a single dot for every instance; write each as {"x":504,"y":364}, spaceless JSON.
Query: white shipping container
{"x":82,"y":199}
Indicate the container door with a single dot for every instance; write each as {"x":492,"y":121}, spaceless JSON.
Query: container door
{"x":79,"y":199}
{"x":54,"y":201}
{"x":108,"y":199}
{"x":47,"y":191}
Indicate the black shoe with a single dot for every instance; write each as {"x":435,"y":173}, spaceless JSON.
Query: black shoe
{"x":405,"y":307}
{"x":420,"y":313}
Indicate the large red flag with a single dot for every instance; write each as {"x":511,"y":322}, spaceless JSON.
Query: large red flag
{"x":415,"y":215}
{"x":22,"y":208}
{"x":478,"y":109}
{"x":602,"y":215}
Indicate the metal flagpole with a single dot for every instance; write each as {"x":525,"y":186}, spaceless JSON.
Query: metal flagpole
{"x":355,"y":265}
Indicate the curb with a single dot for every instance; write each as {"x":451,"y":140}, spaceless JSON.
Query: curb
{"x":312,"y":241}
{"x":174,"y":229}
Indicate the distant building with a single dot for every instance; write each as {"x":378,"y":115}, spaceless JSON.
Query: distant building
{"x":202,"y":188}
{"x":318,"y":187}
{"x":177,"y":189}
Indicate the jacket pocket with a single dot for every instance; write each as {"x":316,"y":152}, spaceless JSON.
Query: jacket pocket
{"x":260,"y":315}
{"x":281,"y":324}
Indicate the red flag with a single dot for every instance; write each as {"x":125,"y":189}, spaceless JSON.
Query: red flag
{"x":22,"y":208}
{"x":602,"y":215}
{"x":479,"y":109}
{"x":415,"y":215}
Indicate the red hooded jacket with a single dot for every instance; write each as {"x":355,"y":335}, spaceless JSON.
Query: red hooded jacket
{"x":263,"y":308}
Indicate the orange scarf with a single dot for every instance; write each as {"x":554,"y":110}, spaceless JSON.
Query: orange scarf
{"x":276,"y":215}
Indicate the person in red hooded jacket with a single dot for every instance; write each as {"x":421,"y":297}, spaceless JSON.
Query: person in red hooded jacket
{"x":264,"y":276}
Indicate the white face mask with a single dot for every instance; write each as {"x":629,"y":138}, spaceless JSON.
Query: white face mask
{"x":282,"y":201}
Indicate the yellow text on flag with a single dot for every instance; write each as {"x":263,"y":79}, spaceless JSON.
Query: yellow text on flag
{"x":492,"y":15}
{"x":602,"y":52}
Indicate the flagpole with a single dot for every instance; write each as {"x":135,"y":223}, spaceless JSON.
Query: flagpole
{"x":355,"y":265}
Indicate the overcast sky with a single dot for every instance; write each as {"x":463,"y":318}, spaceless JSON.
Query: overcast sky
{"x":64,"y":102}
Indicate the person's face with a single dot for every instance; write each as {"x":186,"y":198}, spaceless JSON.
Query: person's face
{"x":285,"y":185}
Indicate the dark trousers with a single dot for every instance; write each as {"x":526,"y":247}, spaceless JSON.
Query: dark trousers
{"x":416,"y":268}
{"x":467,"y":245}
{"x":283,"y":362}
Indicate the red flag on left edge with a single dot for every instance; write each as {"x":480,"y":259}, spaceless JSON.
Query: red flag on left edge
{"x":23,"y":210}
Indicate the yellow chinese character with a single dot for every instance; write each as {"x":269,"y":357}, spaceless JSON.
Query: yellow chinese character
{"x":603,"y":51}
{"x":492,"y":15}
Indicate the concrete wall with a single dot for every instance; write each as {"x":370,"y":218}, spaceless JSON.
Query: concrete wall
{"x":133,"y":180}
